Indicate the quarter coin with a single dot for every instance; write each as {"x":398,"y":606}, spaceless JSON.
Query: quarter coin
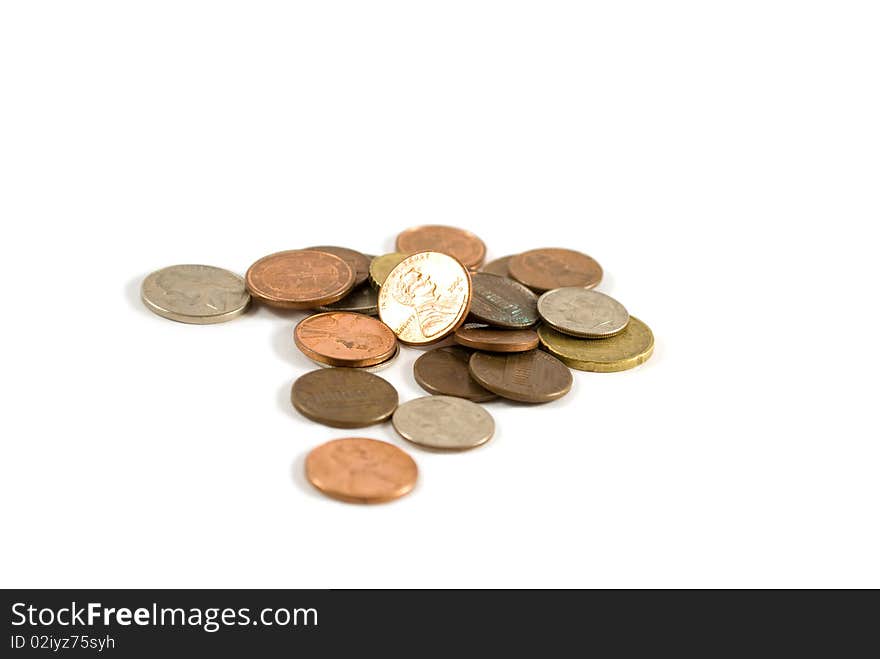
{"x":380,"y":266}
{"x":363,"y":299}
{"x":548,"y":268}
{"x":300,"y":279}
{"x":443,"y":422}
{"x":461,"y":244}
{"x":358,"y":262}
{"x":582,"y":312}
{"x":341,"y":338}
{"x":498,"y":267}
{"x":633,"y":346}
{"x":503,"y":302}
{"x":361,"y":470}
{"x":497,"y":340}
{"x":528,"y":377}
{"x":197,"y":294}
{"x":343,"y":397}
{"x":444,"y":371}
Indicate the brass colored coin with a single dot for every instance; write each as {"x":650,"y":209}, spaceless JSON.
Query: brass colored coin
{"x":528,"y":377}
{"x":197,"y":294}
{"x":380,"y":266}
{"x":633,"y":346}
{"x":582,"y":312}
{"x":461,"y":244}
{"x":343,"y":397}
{"x":503,"y":302}
{"x":545,"y":269}
{"x":340,"y":338}
{"x":498,"y":267}
{"x":300,"y":279}
{"x":364,"y":299}
{"x":443,"y":422}
{"x":497,"y":340}
{"x":361,"y":470}
{"x":358,"y":262}
{"x":444,"y":371}
{"x":425,"y":298}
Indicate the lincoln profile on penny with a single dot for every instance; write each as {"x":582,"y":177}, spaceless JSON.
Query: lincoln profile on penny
{"x":433,"y":311}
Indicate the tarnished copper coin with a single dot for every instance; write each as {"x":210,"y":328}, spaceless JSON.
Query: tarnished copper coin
{"x":361,"y":470}
{"x":497,"y":340}
{"x":498,"y":266}
{"x":503,"y":302}
{"x":553,"y":267}
{"x":363,"y":299}
{"x":425,"y":298}
{"x":528,"y":377}
{"x":381,"y":265}
{"x":461,"y":244}
{"x":444,"y":371}
{"x":358,"y":262}
{"x":341,"y":338}
{"x":343,"y":397}
{"x":299,"y":279}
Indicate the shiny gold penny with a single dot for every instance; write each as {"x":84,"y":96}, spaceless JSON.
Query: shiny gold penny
{"x":380,"y":266}
{"x":633,"y":346}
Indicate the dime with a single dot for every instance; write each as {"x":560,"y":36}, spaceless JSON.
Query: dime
{"x":358,"y":262}
{"x":343,"y":397}
{"x":381,"y":366}
{"x":198,"y":294}
{"x":364,"y":299}
{"x":300,"y":279}
{"x":633,"y":346}
{"x":461,"y":244}
{"x":497,"y":340}
{"x":341,"y":338}
{"x":582,"y":312}
{"x":549,"y":268}
{"x":498,"y":266}
{"x":529,"y":377}
{"x":444,"y":371}
{"x":380,"y":266}
{"x":443,"y":422}
{"x":425,"y":298}
{"x":361,"y":470}
{"x":503,"y":302}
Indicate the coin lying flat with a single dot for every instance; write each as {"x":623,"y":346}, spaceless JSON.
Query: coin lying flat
{"x":528,"y":377}
{"x":498,"y":266}
{"x":197,"y":294}
{"x":343,"y":397}
{"x":583,"y":313}
{"x":461,"y":244}
{"x":375,"y":368}
{"x":381,"y":265}
{"x":444,"y":371}
{"x":443,"y":422}
{"x":425,"y":298}
{"x":503,"y":302}
{"x":548,"y":268}
{"x":633,"y":346}
{"x":358,"y":262}
{"x":341,"y":338}
{"x":363,"y":299}
{"x":497,"y":340}
{"x":361,"y":470}
{"x":300,"y":279}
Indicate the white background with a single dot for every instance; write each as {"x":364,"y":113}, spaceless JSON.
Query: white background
{"x":720,"y":160}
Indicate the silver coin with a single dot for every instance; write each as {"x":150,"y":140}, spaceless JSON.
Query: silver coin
{"x":502,"y":302}
{"x":381,"y":366}
{"x":364,"y":299}
{"x":443,"y":422}
{"x":199,"y":294}
{"x":582,"y":312}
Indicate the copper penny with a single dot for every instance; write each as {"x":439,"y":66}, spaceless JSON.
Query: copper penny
{"x":503,"y":302}
{"x":498,"y":266}
{"x":358,"y":262}
{"x":461,"y":244}
{"x":528,"y":377}
{"x":444,"y":371}
{"x":361,"y":470}
{"x":299,"y":279}
{"x":545,"y":269}
{"x":497,"y":340}
{"x":342,"y":338}
{"x":343,"y":397}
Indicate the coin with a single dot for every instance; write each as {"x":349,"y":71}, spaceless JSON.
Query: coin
{"x":425,"y":298}
{"x":549,"y":268}
{"x":380,"y":266}
{"x":503,"y":302}
{"x":528,"y":377}
{"x":341,"y":338}
{"x":444,"y":371}
{"x":497,"y":340}
{"x":443,"y":422}
{"x":197,"y":294}
{"x":343,"y":397}
{"x":582,"y":312}
{"x":498,"y":266}
{"x":633,"y":346}
{"x":358,"y":262}
{"x":381,"y":366}
{"x":299,"y":279}
{"x":364,"y":299}
{"x":361,"y":470}
{"x":461,"y":244}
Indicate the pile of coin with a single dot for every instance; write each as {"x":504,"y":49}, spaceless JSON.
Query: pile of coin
{"x":519,"y":324}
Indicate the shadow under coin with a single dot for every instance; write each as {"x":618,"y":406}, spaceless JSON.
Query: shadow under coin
{"x":298,"y":472}
{"x":284,"y":346}
{"x":285,"y":404}
{"x":132,"y":294}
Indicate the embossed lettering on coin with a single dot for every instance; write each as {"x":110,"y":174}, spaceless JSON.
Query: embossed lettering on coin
{"x":461,"y":244}
{"x":503,"y":302}
{"x":443,"y":422}
{"x":343,"y":397}
{"x":341,"y":338}
{"x":582,"y":312}
{"x":300,"y":279}
{"x":548,"y":268}
{"x":198,"y":294}
{"x":529,"y":377}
